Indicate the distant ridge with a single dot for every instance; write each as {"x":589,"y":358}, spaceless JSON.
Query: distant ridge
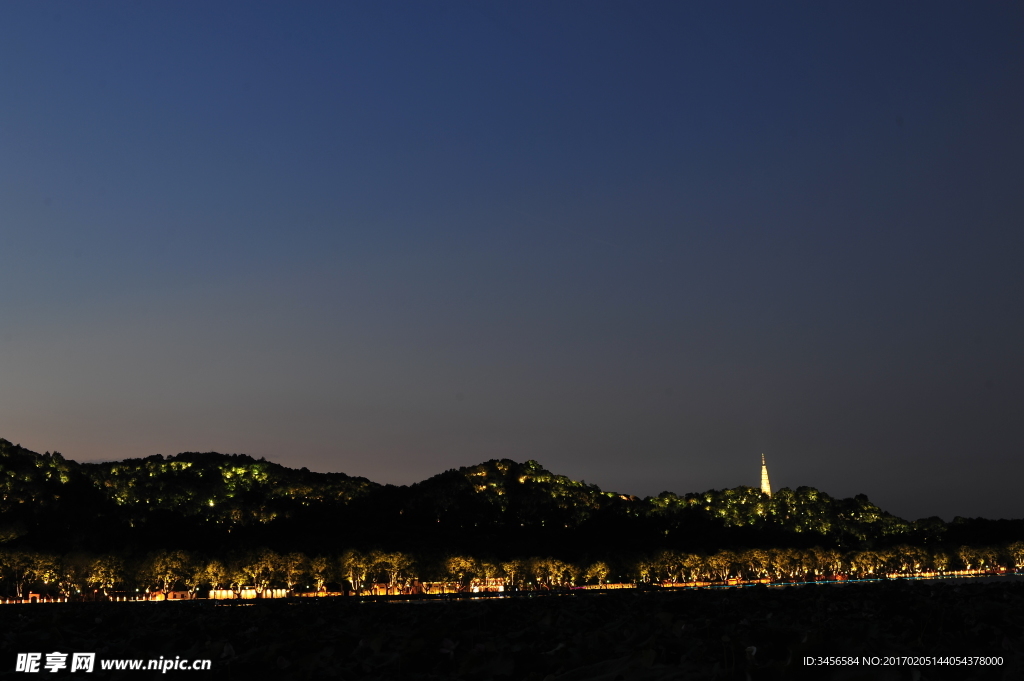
{"x":502,"y":506}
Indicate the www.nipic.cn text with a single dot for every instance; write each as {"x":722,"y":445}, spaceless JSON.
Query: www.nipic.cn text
{"x":86,"y":662}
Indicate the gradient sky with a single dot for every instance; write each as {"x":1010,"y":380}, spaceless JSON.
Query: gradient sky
{"x":641,"y":243}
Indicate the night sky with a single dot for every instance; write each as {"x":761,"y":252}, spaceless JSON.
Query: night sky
{"x":641,"y":243}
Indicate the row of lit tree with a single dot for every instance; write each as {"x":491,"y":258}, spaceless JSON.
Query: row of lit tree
{"x":790,"y":564}
{"x":73,"y":574}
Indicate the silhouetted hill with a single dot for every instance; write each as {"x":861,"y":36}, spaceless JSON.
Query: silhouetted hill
{"x":500,"y":507}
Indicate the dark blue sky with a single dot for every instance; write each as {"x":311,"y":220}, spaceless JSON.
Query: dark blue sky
{"x":641,"y":243}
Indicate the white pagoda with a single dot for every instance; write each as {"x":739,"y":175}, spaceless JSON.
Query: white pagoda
{"x":766,"y":486}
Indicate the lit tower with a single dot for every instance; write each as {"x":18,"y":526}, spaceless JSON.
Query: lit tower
{"x":766,"y":486}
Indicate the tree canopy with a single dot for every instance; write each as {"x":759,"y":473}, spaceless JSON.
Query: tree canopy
{"x":499,"y":508}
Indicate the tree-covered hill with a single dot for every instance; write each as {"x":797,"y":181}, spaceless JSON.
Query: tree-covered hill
{"x":230,"y":489}
{"x":48,"y":499}
{"x":500,"y":507}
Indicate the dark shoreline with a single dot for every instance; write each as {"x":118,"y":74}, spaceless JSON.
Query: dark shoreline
{"x":665,"y":634}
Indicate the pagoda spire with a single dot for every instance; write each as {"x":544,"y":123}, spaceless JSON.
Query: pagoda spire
{"x":766,"y":486}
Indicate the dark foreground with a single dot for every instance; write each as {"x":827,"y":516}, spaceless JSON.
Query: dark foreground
{"x":662,"y":635}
